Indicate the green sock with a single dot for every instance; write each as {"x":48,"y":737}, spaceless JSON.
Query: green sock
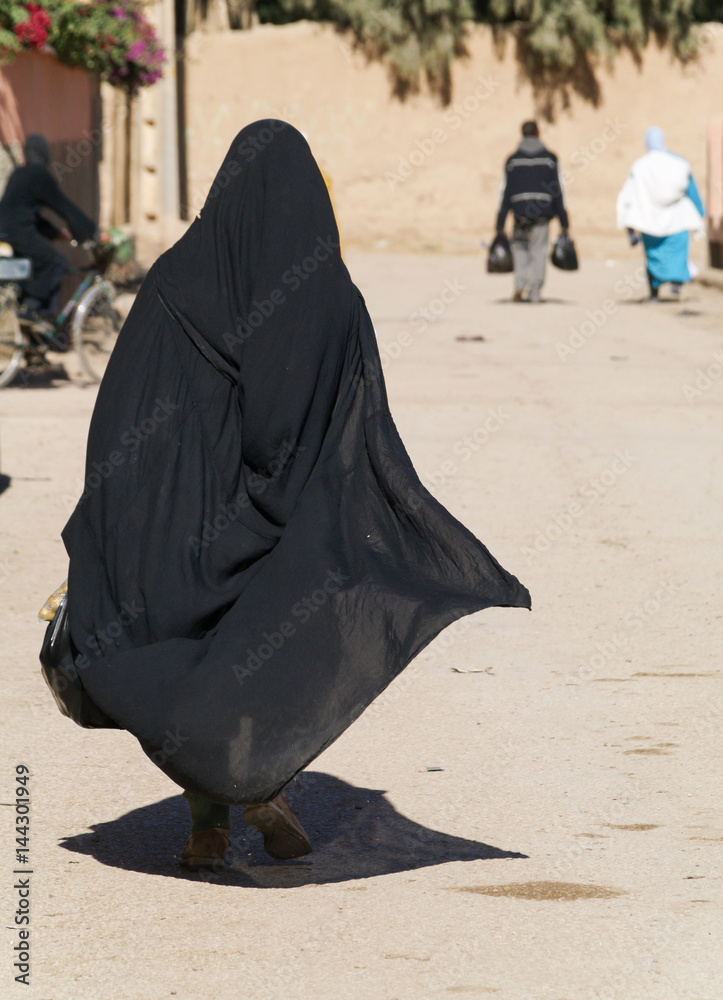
{"x":206,"y":815}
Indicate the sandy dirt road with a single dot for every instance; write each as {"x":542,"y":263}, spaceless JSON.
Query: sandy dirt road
{"x":532,"y":811}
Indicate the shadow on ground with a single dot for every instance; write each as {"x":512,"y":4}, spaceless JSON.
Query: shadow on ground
{"x":40,"y":378}
{"x":545,"y":300}
{"x":356,"y":834}
{"x":647,"y":301}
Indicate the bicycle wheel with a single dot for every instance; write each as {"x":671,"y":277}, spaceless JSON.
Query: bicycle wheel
{"x":11,"y":339}
{"x":95,"y":328}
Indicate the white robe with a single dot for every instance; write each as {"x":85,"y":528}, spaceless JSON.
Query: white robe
{"x":653,"y":198}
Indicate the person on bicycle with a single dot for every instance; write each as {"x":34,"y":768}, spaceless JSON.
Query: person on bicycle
{"x":30,"y":189}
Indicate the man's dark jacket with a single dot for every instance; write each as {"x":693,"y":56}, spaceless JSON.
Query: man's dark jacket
{"x":532,"y":185}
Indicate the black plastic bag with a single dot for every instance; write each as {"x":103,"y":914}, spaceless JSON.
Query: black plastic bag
{"x":564,"y":254}
{"x":499,"y":260}
{"x":58,"y":659}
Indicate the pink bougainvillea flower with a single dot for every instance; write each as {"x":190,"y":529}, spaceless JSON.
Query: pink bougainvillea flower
{"x":137,"y":50}
{"x":124,"y":48}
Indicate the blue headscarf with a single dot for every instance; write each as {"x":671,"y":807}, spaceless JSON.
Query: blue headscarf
{"x":654,"y":138}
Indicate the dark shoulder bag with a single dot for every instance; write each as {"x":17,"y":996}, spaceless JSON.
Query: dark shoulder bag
{"x":57,"y":656}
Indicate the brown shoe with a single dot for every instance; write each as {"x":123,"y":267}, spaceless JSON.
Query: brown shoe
{"x":284,"y":836}
{"x":206,"y":849}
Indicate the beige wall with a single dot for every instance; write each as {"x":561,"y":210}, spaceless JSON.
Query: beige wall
{"x":308,"y":74}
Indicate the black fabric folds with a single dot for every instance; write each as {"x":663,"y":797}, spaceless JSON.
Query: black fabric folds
{"x":254,"y":559}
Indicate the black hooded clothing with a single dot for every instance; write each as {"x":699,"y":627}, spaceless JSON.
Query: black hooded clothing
{"x":29,"y":189}
{"x":254,"y":559}
{"x":37,"y":150}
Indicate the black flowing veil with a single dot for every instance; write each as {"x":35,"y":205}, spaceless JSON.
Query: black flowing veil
{"x":254,"y":559}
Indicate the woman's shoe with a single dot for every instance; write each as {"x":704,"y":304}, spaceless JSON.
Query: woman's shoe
{"x":206,"y":849}
{"x":284,"y":836}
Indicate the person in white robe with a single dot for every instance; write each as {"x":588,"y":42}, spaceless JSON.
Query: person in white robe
{"x":660,"y":201}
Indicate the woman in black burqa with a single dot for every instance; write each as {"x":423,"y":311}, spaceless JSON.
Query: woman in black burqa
{"x":254,"y":559}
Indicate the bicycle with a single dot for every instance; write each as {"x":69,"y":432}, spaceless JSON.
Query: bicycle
{"x":88,"y":322}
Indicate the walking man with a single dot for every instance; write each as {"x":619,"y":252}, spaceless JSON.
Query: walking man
{"x":532,"y":188}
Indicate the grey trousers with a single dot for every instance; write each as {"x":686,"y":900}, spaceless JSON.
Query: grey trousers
{"x":529,"y":253}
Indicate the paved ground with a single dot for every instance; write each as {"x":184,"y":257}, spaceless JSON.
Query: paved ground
{"x":533,"y":810}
